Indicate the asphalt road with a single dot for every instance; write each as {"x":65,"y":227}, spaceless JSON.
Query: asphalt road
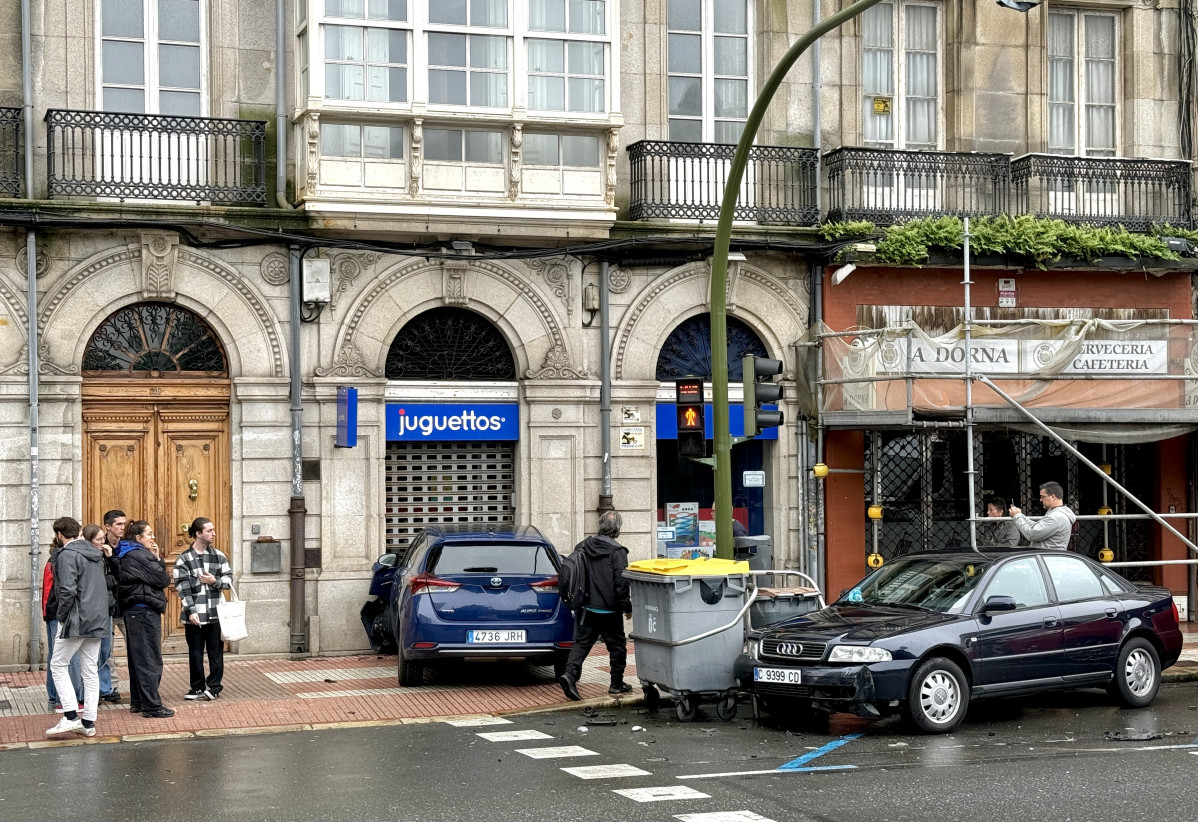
{"x":1060,"y":757}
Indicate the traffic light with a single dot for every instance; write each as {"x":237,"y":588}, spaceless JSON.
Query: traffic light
{"x":760,"y":393}
{"x":692,"y":436}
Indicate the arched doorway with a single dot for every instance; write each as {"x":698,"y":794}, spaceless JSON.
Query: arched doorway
{"x":452,"y":477}
{"x":687,"y":352}
{"x":156,"y":430}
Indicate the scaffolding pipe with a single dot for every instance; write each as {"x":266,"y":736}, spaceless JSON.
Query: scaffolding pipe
{"x":605,"y":495}
{"x":1106,"y":503}
{"x":1086,"y":461}
{"x":821,"y":486}
{"x":875,"y":453}
{"x":35,"y":577}
{"x":970,"y":478}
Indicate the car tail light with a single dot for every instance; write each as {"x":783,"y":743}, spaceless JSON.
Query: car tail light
{"x":427,"y":583}
{"x":563,"y":645}
{"x":1176,"y":613}
{"x":545,"y":586}
{"x":424,"y":645}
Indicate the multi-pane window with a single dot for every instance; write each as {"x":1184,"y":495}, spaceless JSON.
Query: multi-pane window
{"x":366,"y":62}
{"x":707,"y":62}
{"x":564,"y":150}
{"x":152,"y":56}
{"x":361,"y":142}
{"x":467,"y":69}
{"x":901,"y":75}
{"x":454,"y":145}
{"x":1081,"y":83}
{"x":567,"y":72}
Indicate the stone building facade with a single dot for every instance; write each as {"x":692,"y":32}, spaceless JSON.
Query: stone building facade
{"x":478,"y":158}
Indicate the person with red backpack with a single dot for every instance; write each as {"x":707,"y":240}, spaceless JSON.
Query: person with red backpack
{"x":1055,"y":529}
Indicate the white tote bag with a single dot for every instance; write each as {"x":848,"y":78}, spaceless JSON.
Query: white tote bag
{"x":231,"y":614}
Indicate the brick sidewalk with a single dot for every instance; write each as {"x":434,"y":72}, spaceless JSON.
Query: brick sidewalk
{"x":277,"y":694}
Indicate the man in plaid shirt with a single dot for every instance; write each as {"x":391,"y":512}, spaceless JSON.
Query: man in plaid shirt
{"x":201,"y":573}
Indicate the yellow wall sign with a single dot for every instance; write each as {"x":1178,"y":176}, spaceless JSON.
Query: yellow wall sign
{"x":881,"y":105}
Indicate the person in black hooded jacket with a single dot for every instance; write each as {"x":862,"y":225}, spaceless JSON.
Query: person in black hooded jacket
{"x":608,"y":604}
{"x":143,"y":601}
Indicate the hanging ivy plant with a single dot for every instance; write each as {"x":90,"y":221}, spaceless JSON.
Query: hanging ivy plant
{"x":1039,"y":241}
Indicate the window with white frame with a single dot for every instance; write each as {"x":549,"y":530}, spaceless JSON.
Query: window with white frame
{"x":1082,"y":80}
{"x":468,"y":69}
{"x":152,"y":56}
{"x":367,"y":61}
{"x":707,"y":62}
{"x":464,"y":160}
{"x":362,"y":155}
{"x":569,"y":164}
{"x":901,"y":65}
{"x":567,"y":66}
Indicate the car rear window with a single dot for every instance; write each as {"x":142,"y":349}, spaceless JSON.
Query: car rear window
{"x":503,"y":558}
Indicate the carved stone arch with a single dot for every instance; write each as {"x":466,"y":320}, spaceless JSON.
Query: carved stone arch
{"x":775,"y":314}
{"x":75,"y":308}
{"x":492,"y":289}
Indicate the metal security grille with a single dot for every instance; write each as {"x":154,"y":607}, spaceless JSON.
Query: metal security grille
{"x":435,"y":483}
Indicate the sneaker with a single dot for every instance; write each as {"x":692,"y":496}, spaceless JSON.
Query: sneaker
{"x":158,"y":713}
{"x":134,"y":709}
{"x":619,"y":689}
{"x":66,"y":726}
{"x":194,"y":695}
{"x":211,"y":695}
{"x":53,"y":707}
{"x":87,"y":731}
{"x":569,"y":687}
{"x":114,"y":697}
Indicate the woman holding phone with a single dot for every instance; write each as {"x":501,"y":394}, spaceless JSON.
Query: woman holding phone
{"x":143,"y":601}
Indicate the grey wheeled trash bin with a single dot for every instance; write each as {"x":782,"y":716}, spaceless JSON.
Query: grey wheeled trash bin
{"x":776,"y":604}
{"x":758,"y":551}
{"x":676,"y":600}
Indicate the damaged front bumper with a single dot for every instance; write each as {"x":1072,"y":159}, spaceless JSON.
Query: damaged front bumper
{"x":867,"y":690}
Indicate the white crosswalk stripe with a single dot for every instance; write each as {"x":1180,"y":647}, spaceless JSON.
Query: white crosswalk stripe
{"x":513,"y":736}
{"x":556,"y":753}
{"x":661,"y":794}
{"x":722,"y":816}
{"x":477,"y":721}
{"x":605,"y":771}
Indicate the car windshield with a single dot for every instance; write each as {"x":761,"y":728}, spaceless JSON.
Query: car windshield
{"x":934,"y":584}
{"x":503,"y":558}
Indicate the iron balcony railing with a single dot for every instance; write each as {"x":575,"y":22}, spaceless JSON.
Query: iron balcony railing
{"x":156,"y":157}
{"x":686,"y":181}
{"x":12,"y":159}
{"x":1133,"y":193}
{"x":886,"y":186}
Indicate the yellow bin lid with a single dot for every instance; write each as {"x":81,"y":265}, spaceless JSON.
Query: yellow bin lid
{"x":701,"y":567}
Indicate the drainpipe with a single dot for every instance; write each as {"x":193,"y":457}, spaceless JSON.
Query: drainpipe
{"x":280,"y":104}
{"x":605,"y":498}
{"x":816,"y":88}
{"x":821,"y":486}
{"x":35,"y":577}
{"x":299,"y":621}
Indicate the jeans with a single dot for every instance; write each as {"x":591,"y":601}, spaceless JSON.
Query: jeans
{"x":143,"y":643}
{"x":88,"y":649}
{"x":76,"y":677}
{"x":201,"y":638}
{"x":108,"y":680}
{"x":589,"y":626}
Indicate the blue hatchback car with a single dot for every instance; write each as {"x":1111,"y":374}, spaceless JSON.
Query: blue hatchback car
{"x":465,"y":593}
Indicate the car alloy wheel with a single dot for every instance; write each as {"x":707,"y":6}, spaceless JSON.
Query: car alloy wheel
{"x":1139,"y":672}
{"x":938,"y":697}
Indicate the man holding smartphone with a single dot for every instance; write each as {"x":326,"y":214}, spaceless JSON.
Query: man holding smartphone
{"x":201,"y":573}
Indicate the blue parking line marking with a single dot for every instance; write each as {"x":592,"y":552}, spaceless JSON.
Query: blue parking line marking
{"x":797,"y":764}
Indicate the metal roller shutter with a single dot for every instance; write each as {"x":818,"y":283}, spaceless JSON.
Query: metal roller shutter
{"x":448,"y":482}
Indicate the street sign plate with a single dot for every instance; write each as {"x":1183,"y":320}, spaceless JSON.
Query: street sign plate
{"x":753,"y":479}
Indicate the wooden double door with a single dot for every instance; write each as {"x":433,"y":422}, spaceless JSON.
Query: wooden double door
{"x":158,"y":450}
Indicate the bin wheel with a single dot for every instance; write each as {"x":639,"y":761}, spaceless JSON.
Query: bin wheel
{"x":725,"y":709}
{"x":686,"y":708}
{"x":652,"y":697}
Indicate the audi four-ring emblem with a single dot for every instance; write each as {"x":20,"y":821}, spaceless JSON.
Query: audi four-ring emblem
{"x":790,"y":648}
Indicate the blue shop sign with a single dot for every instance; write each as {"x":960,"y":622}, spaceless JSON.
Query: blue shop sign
{"x":347,"y":417}
{"x":667,"y":422}
{"x":449,"y":422}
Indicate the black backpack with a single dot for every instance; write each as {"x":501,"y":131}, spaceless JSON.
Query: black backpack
{"x":574,"y":581}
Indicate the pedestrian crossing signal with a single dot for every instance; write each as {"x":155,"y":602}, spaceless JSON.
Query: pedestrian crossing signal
{"x":692,"y":436}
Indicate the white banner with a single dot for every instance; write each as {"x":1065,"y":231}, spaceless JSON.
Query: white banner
{"x":1016,"y":357}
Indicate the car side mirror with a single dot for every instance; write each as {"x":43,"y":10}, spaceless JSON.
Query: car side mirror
{"x":998,"y":603}
{"x":388,"y":560}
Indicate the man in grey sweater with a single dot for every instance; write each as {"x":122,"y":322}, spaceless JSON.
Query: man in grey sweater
{"x":1054,"y":529}
{"x":82,"y":596}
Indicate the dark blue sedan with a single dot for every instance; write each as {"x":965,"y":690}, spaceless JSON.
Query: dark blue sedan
{"x":470,"y":594}
{"x":928,"y":633}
